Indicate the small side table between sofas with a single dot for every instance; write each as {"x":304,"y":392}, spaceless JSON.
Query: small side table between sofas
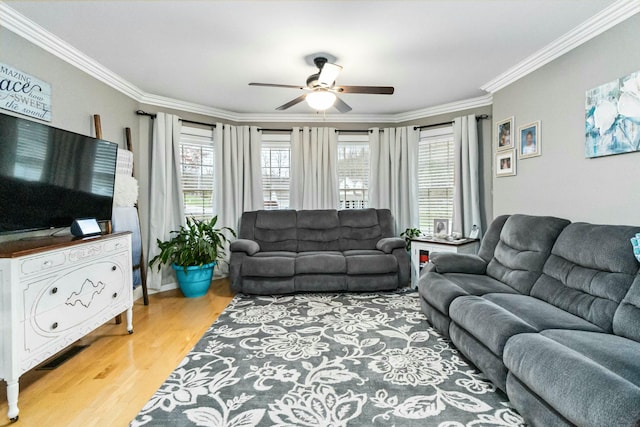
{"x":421,"y":248}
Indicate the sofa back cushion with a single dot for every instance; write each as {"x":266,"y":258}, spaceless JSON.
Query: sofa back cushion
{"x":626,"y":320}
{"x":524,"y":246}
{"x":318,"y":230}
{"x":491,"y":238}
{"x":276,"y":230}
{"x":360,"y":229}
{"x":589,"y":272}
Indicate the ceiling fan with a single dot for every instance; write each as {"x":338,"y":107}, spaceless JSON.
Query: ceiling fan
{"x":322,"y":89}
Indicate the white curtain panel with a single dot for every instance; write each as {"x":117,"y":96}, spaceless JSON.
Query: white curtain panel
{"x":394,"y":174}
{"x":166,"y":207}
{"x":466,"y":194}
{"x":314,"y":170}
{"x":238,"y":182}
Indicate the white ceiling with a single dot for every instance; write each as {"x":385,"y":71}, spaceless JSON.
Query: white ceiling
{"x":205,"y":52}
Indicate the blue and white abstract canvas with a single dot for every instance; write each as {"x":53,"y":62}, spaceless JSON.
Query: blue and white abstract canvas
{"x":613,"y":117}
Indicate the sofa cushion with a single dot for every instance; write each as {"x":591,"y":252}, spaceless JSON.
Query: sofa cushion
{"x":276,"y":230}
{"x":439,"y":290}
{"x":491,"y":238}
{"x":626,"y":321}
{"x":591,"y":379}
{"x":318,"y":230}
{"x":524,"y":246}
{"x":371,"y":264}
{"x":276,"y":253}
{"x":589,"y":271}
{"x":359,"y":229}
{"x":494,"y":318}
{"x":268,"y":266}
{"x":327,"y":263}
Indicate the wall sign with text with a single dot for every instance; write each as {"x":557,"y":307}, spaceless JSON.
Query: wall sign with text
{"x":25,"y":94}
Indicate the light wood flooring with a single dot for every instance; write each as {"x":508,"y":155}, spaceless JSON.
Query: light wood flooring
{"x":110,"y":381}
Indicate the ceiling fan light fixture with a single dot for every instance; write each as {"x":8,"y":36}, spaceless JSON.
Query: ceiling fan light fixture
{"x":320,"y":100}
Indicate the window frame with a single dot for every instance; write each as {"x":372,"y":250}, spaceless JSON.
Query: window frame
{"x":276,"y":140}
{"x":343,"y":202}
{"x":195,"y":136}
{"x":425,"y":220}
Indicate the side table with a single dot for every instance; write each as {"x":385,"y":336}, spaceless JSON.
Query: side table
{"x":421,"y":250}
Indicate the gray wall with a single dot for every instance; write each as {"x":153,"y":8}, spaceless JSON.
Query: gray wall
{"x":562,"y":182}
{"x":76,"y":96}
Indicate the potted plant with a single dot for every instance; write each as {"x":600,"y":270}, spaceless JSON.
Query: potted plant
{"x":408,"y":234}
{"x":193,"y":253}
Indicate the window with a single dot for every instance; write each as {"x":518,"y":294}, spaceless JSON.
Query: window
{"x":276,"y":168}
{"x":435,"y":176}
{"x":197,"y":160}
{"x":353,"y":171}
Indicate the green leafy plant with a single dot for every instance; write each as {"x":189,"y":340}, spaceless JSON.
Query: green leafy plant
{"x":408,"y":234}
{"x":197,"y":243}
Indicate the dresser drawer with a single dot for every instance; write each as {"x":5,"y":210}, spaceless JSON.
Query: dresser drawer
{"x":77,"y":290}
{"x":55,"y":260}
{"x":43,"y":263}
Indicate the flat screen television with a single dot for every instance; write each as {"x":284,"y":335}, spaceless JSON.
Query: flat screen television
{"x":50,"y":176}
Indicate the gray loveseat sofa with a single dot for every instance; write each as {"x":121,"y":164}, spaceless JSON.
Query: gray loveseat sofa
{"x":550,"y":311}
{"x":288,"y":251}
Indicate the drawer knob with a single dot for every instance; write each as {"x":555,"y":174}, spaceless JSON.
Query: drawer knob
{"x":115,"y":295}
{"x":47,"y":263}
{"x":54,"y":290}
{"x":114,"y":268}
{"x":55,"y":325}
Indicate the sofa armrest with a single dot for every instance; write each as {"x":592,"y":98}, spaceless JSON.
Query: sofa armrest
{"x":447,"y":262}
{"x":250,"y":247}
{"x":388,"y":244}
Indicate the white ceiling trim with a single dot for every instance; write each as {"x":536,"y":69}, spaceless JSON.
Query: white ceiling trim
{"x":594,"y":26}
{"x":29,"y":30}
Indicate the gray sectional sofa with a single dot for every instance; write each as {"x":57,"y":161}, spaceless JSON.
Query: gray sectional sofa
{"x":550,"y":311}
{"x":286,"y":251}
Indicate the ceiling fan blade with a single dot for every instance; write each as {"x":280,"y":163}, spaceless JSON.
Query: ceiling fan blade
{"x":329,"y":74}
{"x":374,"y":90}
{"x":292,"y":102}
{"x":342,"y":106}
{"x":277,"y":85}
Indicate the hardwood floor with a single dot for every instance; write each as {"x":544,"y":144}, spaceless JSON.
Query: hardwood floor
{"x":110,"y":381}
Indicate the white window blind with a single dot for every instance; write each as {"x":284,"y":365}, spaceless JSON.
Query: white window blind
{"x":197,"y":158}
{"x":435,"y":177}
{"x":276,"y":170}
{"x":353,"y":171}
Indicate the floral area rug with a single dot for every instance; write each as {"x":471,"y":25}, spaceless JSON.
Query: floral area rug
{"x":326,"y":360}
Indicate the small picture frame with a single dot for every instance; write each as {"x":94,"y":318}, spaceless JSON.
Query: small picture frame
{"x":505,"y":134}
{"x":506,"y":163}
{"x":530,"y":141}
{"x":440,"y":226}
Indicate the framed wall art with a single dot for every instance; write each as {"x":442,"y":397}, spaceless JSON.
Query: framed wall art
{"x":506,"y":163}
{"x":612,"y":117}
{"x":529,"y":143}
{"x":504,"y":134}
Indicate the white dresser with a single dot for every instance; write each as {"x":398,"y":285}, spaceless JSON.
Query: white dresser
{"x":54,"y":291}
{"x":421,"y":250}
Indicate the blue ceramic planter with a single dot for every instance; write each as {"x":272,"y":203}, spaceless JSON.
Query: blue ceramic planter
{"x":196,"y":281}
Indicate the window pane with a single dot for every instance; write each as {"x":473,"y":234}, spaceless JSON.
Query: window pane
{"x":197,"y":157}
{"x":353,"y":171}
{"x":435,"y":180}
{"x":276,"y":167}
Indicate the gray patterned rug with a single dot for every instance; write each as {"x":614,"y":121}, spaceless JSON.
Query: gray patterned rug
{"x":326,"y":360}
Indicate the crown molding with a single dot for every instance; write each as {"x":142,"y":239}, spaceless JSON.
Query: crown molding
{"x":592,"y":27}
{"x":29,"y":30}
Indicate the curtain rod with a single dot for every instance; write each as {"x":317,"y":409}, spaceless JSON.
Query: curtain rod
{"x":153,"y":116}
{"x":478,"y":118}
{"x":337,"y":130}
